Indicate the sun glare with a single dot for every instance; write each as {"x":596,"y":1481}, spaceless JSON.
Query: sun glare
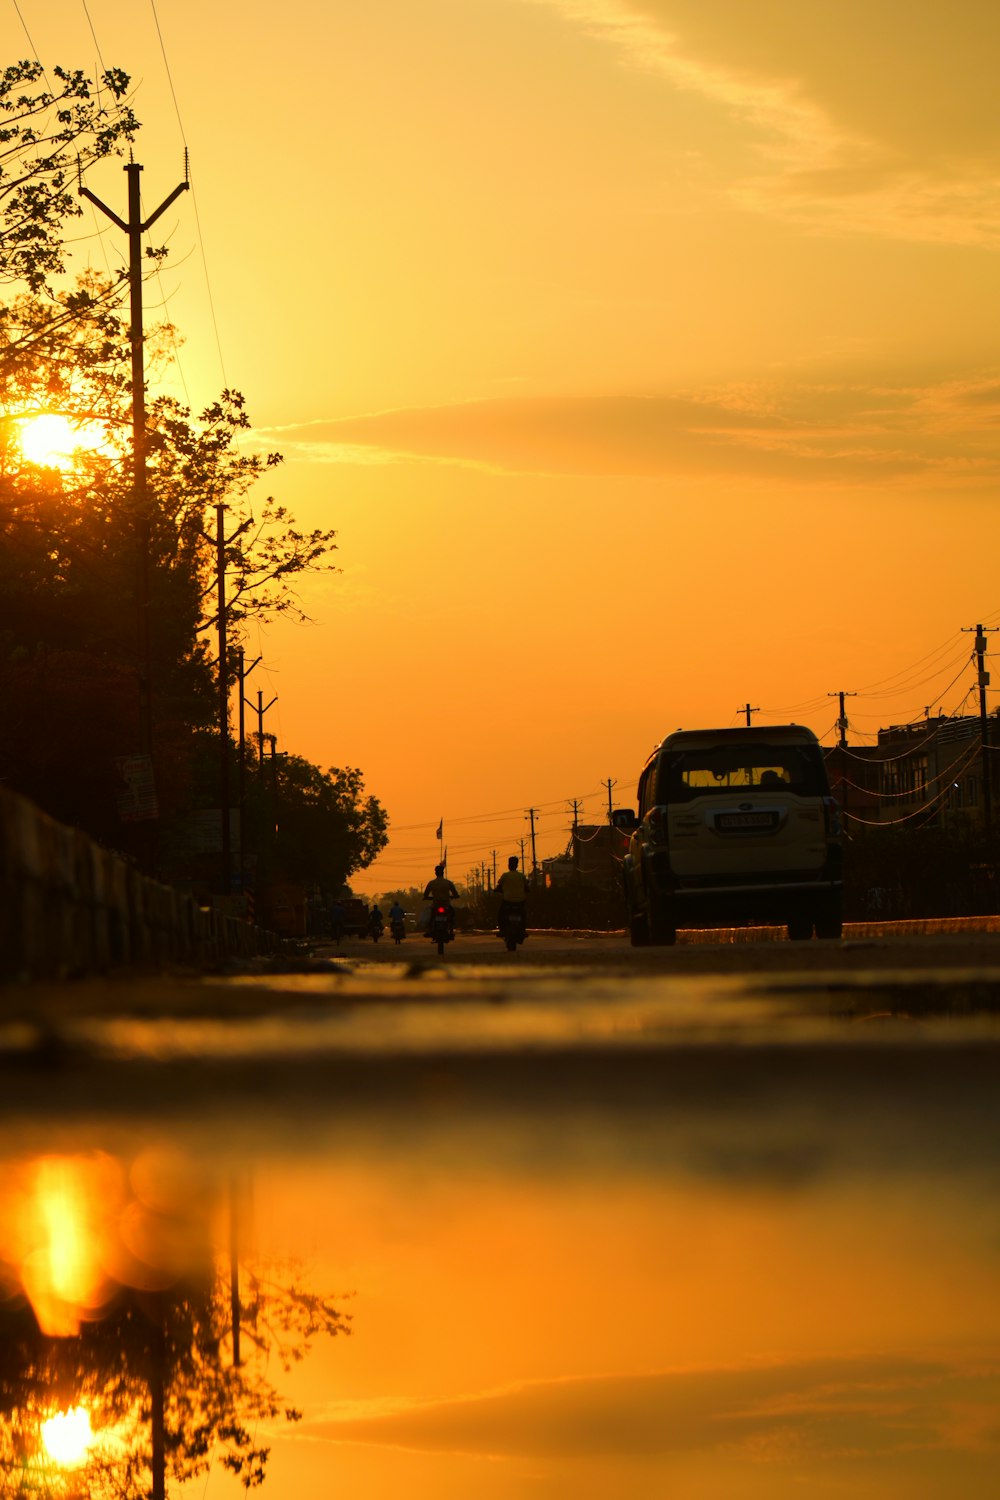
{"x":68,"y":1435}
{"x":51,"y":441}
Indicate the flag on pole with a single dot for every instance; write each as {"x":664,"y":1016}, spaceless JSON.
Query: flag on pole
{"x":440,"y":830}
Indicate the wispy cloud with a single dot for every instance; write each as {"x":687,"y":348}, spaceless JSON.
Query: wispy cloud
{"x":940,"y":432}
{"x":823,"y":1408}
{"x":812,"y":169}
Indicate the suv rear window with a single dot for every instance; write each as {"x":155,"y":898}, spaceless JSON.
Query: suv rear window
{"x":687,"y":774}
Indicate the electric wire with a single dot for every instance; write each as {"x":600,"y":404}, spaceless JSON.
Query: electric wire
{"x":924,"y":809}
{"x":31,"y":44}
{"x":194,"y":198}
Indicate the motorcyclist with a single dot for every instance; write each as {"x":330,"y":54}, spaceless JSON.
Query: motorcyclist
{"x":513,"y":889}
{"x":397,"y":918}
{"x":441,"y":892}
{"x":375,"y":922}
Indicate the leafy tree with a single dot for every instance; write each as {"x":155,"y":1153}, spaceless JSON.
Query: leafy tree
{"x":70,"y":587}
{"x":106,"y":603}
{"x":313,"y":827}
{"x":52,"y":128}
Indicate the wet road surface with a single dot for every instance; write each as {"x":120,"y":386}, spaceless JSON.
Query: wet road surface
{"x":712,"y":1221}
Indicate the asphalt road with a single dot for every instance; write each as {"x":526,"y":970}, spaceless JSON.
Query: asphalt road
{"x":946,"y":945}
{"x":325,"y":1034}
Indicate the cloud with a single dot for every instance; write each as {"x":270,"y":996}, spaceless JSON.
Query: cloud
{"x":943,"y":432}
{"x":881,"y":176}
{"x":824,"y":1409}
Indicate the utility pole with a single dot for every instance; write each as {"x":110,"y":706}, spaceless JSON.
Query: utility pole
{"x":984,"y":718}
{"x":609,"y":784}
{"x":274,"y":779}
{"x":261,"y":709}
{"x":530,"y":815}
{"x":575,"y":845}
{"x":220,"y":567}
{"x":493,"y":852}
{"x":842,"y":724}
{"x":243,"y":672}
{"x":522,"y":853}
{"x":135,"y":228}
{"x":749,"y":710}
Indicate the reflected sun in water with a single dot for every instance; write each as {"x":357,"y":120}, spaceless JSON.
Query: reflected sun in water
{"x":67,"y":1436}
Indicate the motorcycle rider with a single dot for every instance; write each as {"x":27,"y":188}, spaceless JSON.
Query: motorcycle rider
{"x":513,"y":888}
{"x":375,"y":921}
{"x":397,"y":917}
{"x":441,"y":892}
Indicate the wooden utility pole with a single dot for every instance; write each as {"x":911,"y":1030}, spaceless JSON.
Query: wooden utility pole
{"x":135,"y":228}
{"x":984,"y":718}
{"x":220,"y":568}
{"x":842,"y":724}
{"x":609,"y":784}
{"x":749,"y":711}
{"x":531,"y":815}
{"x":575,"y":843}
{"x":243,"y":672}
{"x":261,"y":710}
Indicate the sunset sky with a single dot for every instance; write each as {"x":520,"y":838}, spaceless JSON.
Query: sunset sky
{"x":644,"y":356}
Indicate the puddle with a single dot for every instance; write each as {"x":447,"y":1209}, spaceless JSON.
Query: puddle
{"x":697,"y":1241}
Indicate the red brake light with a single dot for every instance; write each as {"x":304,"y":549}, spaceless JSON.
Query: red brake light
{"x":440,"y":911}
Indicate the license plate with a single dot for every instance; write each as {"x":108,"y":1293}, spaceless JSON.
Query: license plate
{"x":742,"y":821}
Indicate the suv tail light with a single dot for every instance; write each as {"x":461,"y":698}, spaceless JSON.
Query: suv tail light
{"x":658,"y":825}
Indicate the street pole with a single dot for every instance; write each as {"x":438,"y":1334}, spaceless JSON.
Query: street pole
{"x":842,"y":724}
{"x":609,"y":784}
{"x":530,"y":814}
{"x":984,"y":719}
{"x":261,"y":710}
{"x":749,"y":711}
{"x":135,"y":228}
{"x":243,"y":672}
{"x":220,"y":565}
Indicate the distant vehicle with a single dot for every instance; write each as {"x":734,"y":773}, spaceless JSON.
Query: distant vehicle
{"x":376,"y":924}
{"x":398,"y":929}
{"x":734,"y":827}
{"x":355,"y":917}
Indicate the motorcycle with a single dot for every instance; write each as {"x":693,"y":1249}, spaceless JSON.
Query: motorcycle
{"x":375,"y":926}
{"x":439,"y":927}
{"x":398,"y":929}
{"x":512,"y":927}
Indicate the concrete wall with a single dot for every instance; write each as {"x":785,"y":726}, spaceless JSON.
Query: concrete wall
{"x":69,"y":907}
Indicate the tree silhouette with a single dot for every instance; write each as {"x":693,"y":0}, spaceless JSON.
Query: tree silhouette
{"x":155,"y":1371}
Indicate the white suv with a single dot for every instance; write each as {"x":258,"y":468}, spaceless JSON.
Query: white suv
{"x":735,"y":826}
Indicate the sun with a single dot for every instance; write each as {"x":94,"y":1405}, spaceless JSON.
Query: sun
{"x":67,"y":1435}
{"x":52,"y":440}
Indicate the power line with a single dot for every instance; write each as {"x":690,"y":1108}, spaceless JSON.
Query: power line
{"x":194,"y":197}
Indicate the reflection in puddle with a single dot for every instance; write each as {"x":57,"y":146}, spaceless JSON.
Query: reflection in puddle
{"x":707,"y":1271}
{"x":134,"y":1356}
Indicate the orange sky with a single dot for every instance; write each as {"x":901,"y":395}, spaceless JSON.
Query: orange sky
{"x":642,"y":354}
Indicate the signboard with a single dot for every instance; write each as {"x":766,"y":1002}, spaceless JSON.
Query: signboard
{"x":137,"y":789}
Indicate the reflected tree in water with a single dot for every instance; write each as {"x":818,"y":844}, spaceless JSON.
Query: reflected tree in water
{"x":168,"y":1389}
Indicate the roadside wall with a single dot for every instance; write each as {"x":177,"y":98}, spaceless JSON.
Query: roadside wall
{"x":69,"y":907}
